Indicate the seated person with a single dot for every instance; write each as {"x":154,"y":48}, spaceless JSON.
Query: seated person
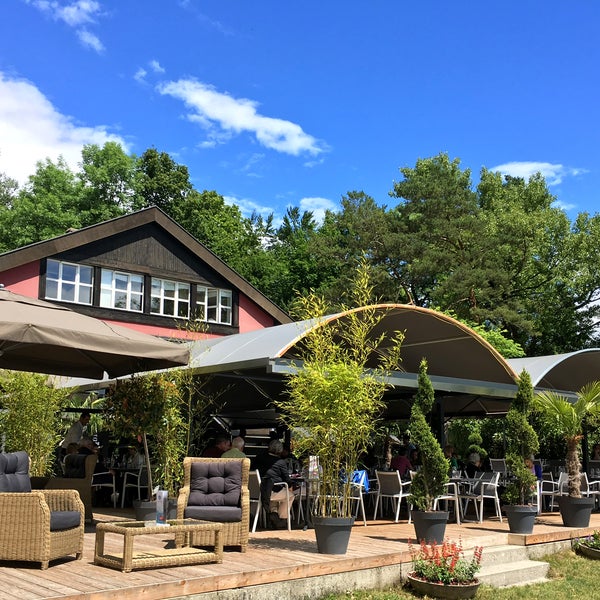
{"x":473,"y":467}
{"x":401,"y":463}
{"x":221,"y":444}
{"x":450,"y":454}
{"x":135,"y":458}
{"x":274,"y":469}
{"x":236,"y":450}
{"x":535,"y":469}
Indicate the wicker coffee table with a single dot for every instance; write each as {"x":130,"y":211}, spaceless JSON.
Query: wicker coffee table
{"x":163,"y":557}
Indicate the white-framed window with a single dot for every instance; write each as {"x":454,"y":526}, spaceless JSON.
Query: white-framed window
{"x":121,"y":290}
{"x":214,"y":305}
{"x":170,"y":298}
{"x":69,"y":282}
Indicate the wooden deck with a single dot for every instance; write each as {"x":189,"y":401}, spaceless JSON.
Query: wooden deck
{"x":272,"y":557}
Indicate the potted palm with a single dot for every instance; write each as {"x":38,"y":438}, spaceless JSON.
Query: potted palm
{"x":522,"y":442}
{"x":334,"y":401}
{"x":430,"y":480}
{"x":569,"y":417}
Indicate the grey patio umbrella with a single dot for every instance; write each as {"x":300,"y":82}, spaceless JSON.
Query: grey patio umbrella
{"x":42,"y":337}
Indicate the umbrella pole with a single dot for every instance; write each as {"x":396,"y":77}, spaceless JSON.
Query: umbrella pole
{"x":149,"y":470}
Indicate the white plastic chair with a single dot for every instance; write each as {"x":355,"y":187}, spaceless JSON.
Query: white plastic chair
{"x":106,"y":484}
{"x":390,"y":485}
{"x":254,"y":489}
{"x":136,"y":480}
{"x":485,"y":488}
{"x":451,"y":495}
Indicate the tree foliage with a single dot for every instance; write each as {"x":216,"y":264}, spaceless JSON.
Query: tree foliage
{"x":29,"y":419}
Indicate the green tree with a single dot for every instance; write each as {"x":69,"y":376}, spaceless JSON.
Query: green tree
{"x":160,"y":181}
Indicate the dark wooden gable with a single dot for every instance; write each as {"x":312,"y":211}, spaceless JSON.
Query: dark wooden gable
{"x":147,"y":249}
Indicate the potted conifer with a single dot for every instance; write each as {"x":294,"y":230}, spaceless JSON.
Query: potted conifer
{"x":522,"y":443}
{"x":335,"y":401}
{"x":430,"y":480}
{"x":569,"y":417}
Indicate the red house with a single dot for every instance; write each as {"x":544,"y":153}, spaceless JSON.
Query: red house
{"x":142,"y":271}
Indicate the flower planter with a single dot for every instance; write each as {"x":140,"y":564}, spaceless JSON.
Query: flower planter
{"x":430,"y":525}
{"x":575,"y":512}
{"x":521,"y":518}
{"x":589,"y":552}
{"x":442,"y":590}
{"x":333,"y":534}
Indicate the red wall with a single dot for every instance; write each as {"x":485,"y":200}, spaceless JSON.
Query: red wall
{"x":25,"y":280}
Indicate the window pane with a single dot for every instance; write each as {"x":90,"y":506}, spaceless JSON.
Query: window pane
{"x":106,"y":298}
{"x":156,"y":284}
{"x":136,"y":303}
{"x":212,"y":313}
{"x":155,"y":305}
{"x":226,"y":298}
{"x":85,"y":295}
{"x":121,"y":281}
{"x":184,"y":292}
{"x":225,"y":316}
{"x":68,"y":292}
{"x":120,"y":300}
{"x":85,"y":275}
{"x":107,"y":277}
{"x":169,"y":307}
{"x":201,"y":294}
{"x":137,"y":283}
{"x":69,"y":272}
{"x":52,"y":269}
{"x":51,"y":289}
{"x":183,"y":309}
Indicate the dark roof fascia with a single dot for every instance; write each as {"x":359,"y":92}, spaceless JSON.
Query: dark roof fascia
{"x":410,"y":380}
{"x":68,"y":241}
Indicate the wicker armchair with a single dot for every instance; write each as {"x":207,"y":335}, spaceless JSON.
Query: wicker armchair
{"x":216,"y":489}
{"x":38,"y":525}
{"x":79,"y":470}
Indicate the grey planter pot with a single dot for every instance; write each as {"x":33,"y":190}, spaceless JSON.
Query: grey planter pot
{"x":521,"y":518}
{"x":333,"y":534}
{"x":145,"y":510}
{"x":430,"y":525}
{"x":575,"y":512}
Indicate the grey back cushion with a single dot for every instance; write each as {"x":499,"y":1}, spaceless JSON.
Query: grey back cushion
{"x":75,"y":465}
{"x":215,"y":483}
{"x":14,"y":472}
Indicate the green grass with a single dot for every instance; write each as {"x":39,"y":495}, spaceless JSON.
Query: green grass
{"x":571,"y":577}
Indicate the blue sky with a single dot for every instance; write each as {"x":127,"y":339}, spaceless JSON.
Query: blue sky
{"x":276,"y":104}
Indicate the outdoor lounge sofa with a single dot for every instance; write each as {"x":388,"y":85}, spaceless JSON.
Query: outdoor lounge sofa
{"x":38,"y":525}
{"x":79,"y":470}
{"x":216,"y":489}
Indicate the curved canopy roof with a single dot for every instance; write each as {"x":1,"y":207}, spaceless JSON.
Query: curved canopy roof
{"x":561,"y":372}
{"x":468,"y":374}
{"x":470,"y":378}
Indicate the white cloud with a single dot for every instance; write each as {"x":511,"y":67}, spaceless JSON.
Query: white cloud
{"x":75,"y":15}
{"x":248,"y":206}
{"x":156,"y":67}
{"x":90,"y":40}
{"x":223,"y":116}
{"x":140,"y":75}
{"x":32,"y":129}
{"x":317,"y":206}
{"x":553,"y":173}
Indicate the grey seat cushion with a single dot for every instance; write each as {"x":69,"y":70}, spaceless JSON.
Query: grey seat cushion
{"x":220,"y":514}
{"x":14,"y":472}
{"x":64,"y":519}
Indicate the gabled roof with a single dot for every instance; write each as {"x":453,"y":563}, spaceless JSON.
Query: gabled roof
{"x":81,"y":237}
